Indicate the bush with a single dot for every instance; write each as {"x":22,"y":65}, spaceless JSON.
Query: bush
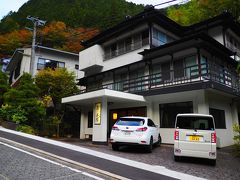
{"x":236,"y":129}
{"x":26,"y":129}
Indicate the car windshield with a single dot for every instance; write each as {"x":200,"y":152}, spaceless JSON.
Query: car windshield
{"x":193,"y":122}
{"x":130,"y":122}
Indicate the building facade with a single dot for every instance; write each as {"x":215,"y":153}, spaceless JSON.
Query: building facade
{"x":149,"y":65}
{"x":44,"y":57}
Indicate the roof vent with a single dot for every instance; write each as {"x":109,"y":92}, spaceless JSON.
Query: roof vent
{"x":148,"y":7}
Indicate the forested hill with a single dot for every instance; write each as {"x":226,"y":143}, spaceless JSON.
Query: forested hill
{"x":74,"y":13}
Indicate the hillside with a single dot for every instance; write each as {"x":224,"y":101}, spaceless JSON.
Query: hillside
{"x":74,"y":13}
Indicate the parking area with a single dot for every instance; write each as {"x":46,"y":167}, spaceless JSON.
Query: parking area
{"x":227,"y":167}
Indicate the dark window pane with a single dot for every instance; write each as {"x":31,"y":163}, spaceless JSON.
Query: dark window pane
{"x":193,"y":122}
{"x":168,"y":113}
{"x":178,"y":69}
{"x":165,"y":71}
{"x":51,"y":64}
{"x":219,"y":118}
{"x":90,"y":119}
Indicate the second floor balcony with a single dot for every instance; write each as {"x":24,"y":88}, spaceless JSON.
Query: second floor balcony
{"x":191,"y":78}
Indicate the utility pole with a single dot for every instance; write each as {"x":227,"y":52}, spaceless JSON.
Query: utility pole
{"x":36,"y":22}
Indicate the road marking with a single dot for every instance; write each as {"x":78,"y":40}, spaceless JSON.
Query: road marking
{"x":114,"y":176}
{"x":53,"y":162}
{"x":152,"y":168}
{"x":3,"y":177}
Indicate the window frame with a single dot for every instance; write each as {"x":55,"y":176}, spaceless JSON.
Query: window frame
{"x":188,"y":103}
{"x":221,"y":114}
{"x":43,"y":63}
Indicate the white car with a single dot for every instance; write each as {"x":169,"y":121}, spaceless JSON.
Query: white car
{"x":195,"y":136}
{"x":135,"y":130}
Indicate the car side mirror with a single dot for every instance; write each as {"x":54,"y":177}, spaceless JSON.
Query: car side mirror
{"x":156,"y":125}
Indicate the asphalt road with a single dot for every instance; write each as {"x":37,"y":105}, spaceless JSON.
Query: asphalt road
{"x":17,"y":164}
{"x":103,"y":164}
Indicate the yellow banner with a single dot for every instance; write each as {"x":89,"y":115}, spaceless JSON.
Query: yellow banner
{"x":98,"y":111}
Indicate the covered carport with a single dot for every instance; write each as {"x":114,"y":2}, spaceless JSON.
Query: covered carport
{"x":99,"y":102}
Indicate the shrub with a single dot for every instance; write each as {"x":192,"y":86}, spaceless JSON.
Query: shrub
{"x":236,"y":129}
{"x":26,"y":129}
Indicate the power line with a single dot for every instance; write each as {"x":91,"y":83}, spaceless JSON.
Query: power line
{"x":164,"y":3}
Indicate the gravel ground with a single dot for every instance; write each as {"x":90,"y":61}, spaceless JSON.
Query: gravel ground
{"x":227,"y":167}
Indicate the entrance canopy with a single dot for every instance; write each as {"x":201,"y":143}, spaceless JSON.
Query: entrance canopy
{"x":110,"y":95}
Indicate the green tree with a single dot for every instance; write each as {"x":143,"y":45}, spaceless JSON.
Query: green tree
{"x":26,"y":97}
{"x":199,"y":10}
{"x":57,"y":83}
{"x":3,"y":85}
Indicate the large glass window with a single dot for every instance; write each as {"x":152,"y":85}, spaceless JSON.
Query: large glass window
{"x":47,"y":63}
{"x":219,"y":118}
{"x":127,"y":44}
{"x":191,"y":66}
{"x":168,"y":112}
{"x":160,"y":38}
{"x":136,"y":79}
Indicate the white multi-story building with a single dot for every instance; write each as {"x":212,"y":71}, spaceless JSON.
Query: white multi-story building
{"x":44,"y":57}
{"x":149,"y":65}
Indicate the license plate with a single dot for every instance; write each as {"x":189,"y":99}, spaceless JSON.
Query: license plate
{"x":194,"y":138}
{"x":127,"y":133}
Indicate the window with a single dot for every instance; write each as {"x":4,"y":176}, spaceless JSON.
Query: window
{"x":168,"y":112}
{"x":76,"y":66}
{"x":195,"y":122}
{"x":127,"y":44}
{"x":130,"y":122}
{"x":178,"y":68}
{"x":160,"y":38}
{"x":191,"y":66}
{"x":47,"y":63}
{"x":151,"y":123}
{"x":90,"y":119}
{"x":219,"y":118}
{"x":204,"y":66}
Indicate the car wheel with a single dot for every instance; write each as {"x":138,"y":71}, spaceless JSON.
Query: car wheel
{"x":150,"y":146}
{"x":177,"y":158}
{"x":115,"y":147}
{"x":159,"y":140}
{"x":213,"y":162}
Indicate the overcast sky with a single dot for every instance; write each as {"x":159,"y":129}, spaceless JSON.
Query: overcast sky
{"x":13,"y":5}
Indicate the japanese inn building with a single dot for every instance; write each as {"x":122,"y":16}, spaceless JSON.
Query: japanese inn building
{"x":148,"y":65}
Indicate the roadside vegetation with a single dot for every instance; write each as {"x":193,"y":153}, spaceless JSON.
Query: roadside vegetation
{"x":35,"y":104}
{"x":236,"y":129}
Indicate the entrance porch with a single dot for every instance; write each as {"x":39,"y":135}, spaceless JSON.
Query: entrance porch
{"x":95,"y":108}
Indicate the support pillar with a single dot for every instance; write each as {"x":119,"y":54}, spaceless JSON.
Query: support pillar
{"x":201,"y":103}
{"x":100,"y":121}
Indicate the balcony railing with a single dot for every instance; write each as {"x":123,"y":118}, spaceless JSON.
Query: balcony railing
{"x":177,"y":77}
{"x":127,"y":48}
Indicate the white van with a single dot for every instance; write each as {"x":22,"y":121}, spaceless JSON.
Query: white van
{"x":195,"y":136}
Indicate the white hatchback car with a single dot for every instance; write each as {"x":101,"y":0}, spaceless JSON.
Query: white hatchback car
{"x":195,"y":136}
{"x":135,"y":130}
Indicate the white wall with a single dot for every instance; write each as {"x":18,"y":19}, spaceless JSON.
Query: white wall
{"x":91,"y":56}
{"x":69,"y":60}
{"x":225,"y":136}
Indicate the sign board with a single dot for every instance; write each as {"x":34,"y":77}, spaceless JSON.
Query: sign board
{"x":98,"y":113}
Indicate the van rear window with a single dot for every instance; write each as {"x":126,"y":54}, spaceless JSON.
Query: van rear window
{"x":201,"y":123}
{"x":130,"y":122}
